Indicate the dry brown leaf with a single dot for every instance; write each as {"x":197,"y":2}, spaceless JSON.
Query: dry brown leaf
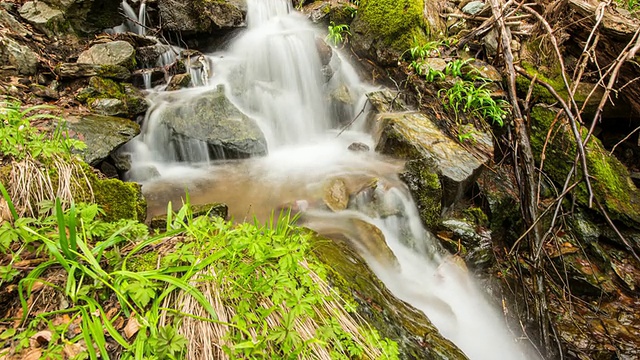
{"x":61,"y":320}
{"x":111,"y":313}
{"x":40,"y":338}
{"x":33,"y":354}
{"x":73,"y":350}
{"x":132,"y":327}
{"x":118,"y":323}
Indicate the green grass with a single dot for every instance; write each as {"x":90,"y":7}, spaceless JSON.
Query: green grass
{"x":466,"y":97}
{"x":337,"y":33}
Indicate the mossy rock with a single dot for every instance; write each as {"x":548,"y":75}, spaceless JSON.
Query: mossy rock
{"x":422,"y":178}
{"x":417,"y":338}
{"x":118,"y":199}
{"x":384,"y":29}
{"x":610,"y":179}
{"x":133,"y":100}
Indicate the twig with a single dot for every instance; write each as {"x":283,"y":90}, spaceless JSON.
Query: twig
{"x":623,"y":140}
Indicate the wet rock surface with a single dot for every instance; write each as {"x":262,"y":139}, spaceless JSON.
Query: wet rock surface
{"x":201,"y":16}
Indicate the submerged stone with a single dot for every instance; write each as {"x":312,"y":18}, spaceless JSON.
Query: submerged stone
{"x":335,"y":194}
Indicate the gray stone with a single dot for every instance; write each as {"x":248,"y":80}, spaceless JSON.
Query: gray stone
{"x":474,"y":7}
{"x":16,"y":57}
{"x":75,"y":70}
{"x":143,"y":173}
{"x":359,"y":147}
{"x":324,"y":50}
{"x":48,"y":20}
{"x":119,"y":53}
{"x":335,"y":194}
{"x":43,"y":91}
{"x":201,"y":16}
{"x":433,"y":63}
{"x":179,"y":81}
{"x":213,"y":119}
{"x":483,"y":70}
{"x":413,"y":135}
{"x":89,"y":16}
{"x":102,"y":134}
{"x":109,"y":107}
{"x":317,"y":11}
{"x":7,"y":20}
{"x":148,"y":55}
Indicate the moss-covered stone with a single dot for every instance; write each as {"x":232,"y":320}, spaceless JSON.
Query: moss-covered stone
{"x":382,"y":30}
{"x":417,"y":338}
{"x":102,"y":88}
{"x":422,"y":178}
{"x":143,"y":262}
{"x":118,"y":199}
{"x":610,"y":179}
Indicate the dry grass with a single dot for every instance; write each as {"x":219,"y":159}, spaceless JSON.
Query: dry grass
{"x":207,"y":338}
{"x":31,"y":184}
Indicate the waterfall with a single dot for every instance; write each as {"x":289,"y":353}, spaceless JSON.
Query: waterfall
{"x":272,"y":73}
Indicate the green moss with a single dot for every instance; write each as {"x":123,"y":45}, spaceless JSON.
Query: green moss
{"x":476,"y":215}
{"x":395,"y":22}
{"x":610,"y":180}
{"x":102,"y":88}
{"x":143,"y":262}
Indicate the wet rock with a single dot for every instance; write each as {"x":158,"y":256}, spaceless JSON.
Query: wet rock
{"x":119,"y":53}
{"x":473,"y":242}
{"x":359,"y":147}
{"x":89,"y":16}
{"x":317,"y":11}
{"x":47,"y":20}
{"x":179,"y":81}
{"x":412,"y":135}
{"x":610,"y":180}
{"x":202,"y":16}
{"x":417,"y":338}
{"x":75,"y":70}
{"x":335,"y":194}
{"x":16,"y":57}
{"x":148,"y":55}
{"x":342,"y":104}
{"x":386,"y":100}
{"x":371,"y":239}
{"x":422,"y":179}
{"x":136,"y":40}
{"x":102,"y":134}
{"x":324,"y":50}
{"x":214,"y":120}
{"x":121,"y":160}
{"x":327,"y":72}
{"x":143,"y":173}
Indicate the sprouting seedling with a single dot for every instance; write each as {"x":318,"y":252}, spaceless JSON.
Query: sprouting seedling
{"x":337,"y":33}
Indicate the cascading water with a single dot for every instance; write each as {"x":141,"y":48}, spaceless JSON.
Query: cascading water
{"x":272,"y":73}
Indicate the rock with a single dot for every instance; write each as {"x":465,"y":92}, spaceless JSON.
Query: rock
{"x":413,"y":135}
{"x":115,"y":99}
{"x":422,"y":179}
{"x":335,"y":195}
{"x":16,"y":57}
{"x":202,"y":16}
{"x":47,"y":20}
{"x":481,"y":69}
{"x":102,"y":134}
{"x":89,"y":16}
{"x":136,"y":40}
{"x":143,"y":173}
{"x":383,"y":30}
{"x":438,"y":64}
{"x":474,"y":7}
{"x":119,"y":53}
{"x":148,"y":55}
{"x":179,"y":81}
{"x":610,"y":180}
{"x":325,"y":51}
{"x":385,"y":100}
{"x":75,"y":70}
{"x":417,"y":338}
{"x":44,"y":92}
{"x":8,"y":21}
{"x":213,"y":119}
{"x":108,"y":107}
{"x":317,"y":11}
{"x":474,"y":243}
{"x":359,"y":147}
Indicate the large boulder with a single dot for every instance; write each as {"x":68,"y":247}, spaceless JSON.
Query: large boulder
{"x":610,"y":179}
{"x":103,"y":135}
{"x":383,"y":30}
{"x":202,"y":16}
{"x":89,"y":16}
{"x":211,"y":118}
{"x":119,"y":53}
{"x":46,"y":19}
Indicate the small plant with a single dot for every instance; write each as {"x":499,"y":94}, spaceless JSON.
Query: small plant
{"x":337,"y":33}
{"x":477,"y":101}
{"x":454,"y":68}
{"x":19,"y":139}
{"x":421,"y":51}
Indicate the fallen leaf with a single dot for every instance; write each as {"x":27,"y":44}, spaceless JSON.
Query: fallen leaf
{"x":132,"y":327}
{"x":61,"y":320}
{"x":41,"y":338}
{"x":73,"y":350}
{"x":33,"y":354}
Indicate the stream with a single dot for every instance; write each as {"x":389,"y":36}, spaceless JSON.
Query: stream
{"x":271,"y":72}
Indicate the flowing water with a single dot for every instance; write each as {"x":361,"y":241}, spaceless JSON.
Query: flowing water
{"x":272,"y":73}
